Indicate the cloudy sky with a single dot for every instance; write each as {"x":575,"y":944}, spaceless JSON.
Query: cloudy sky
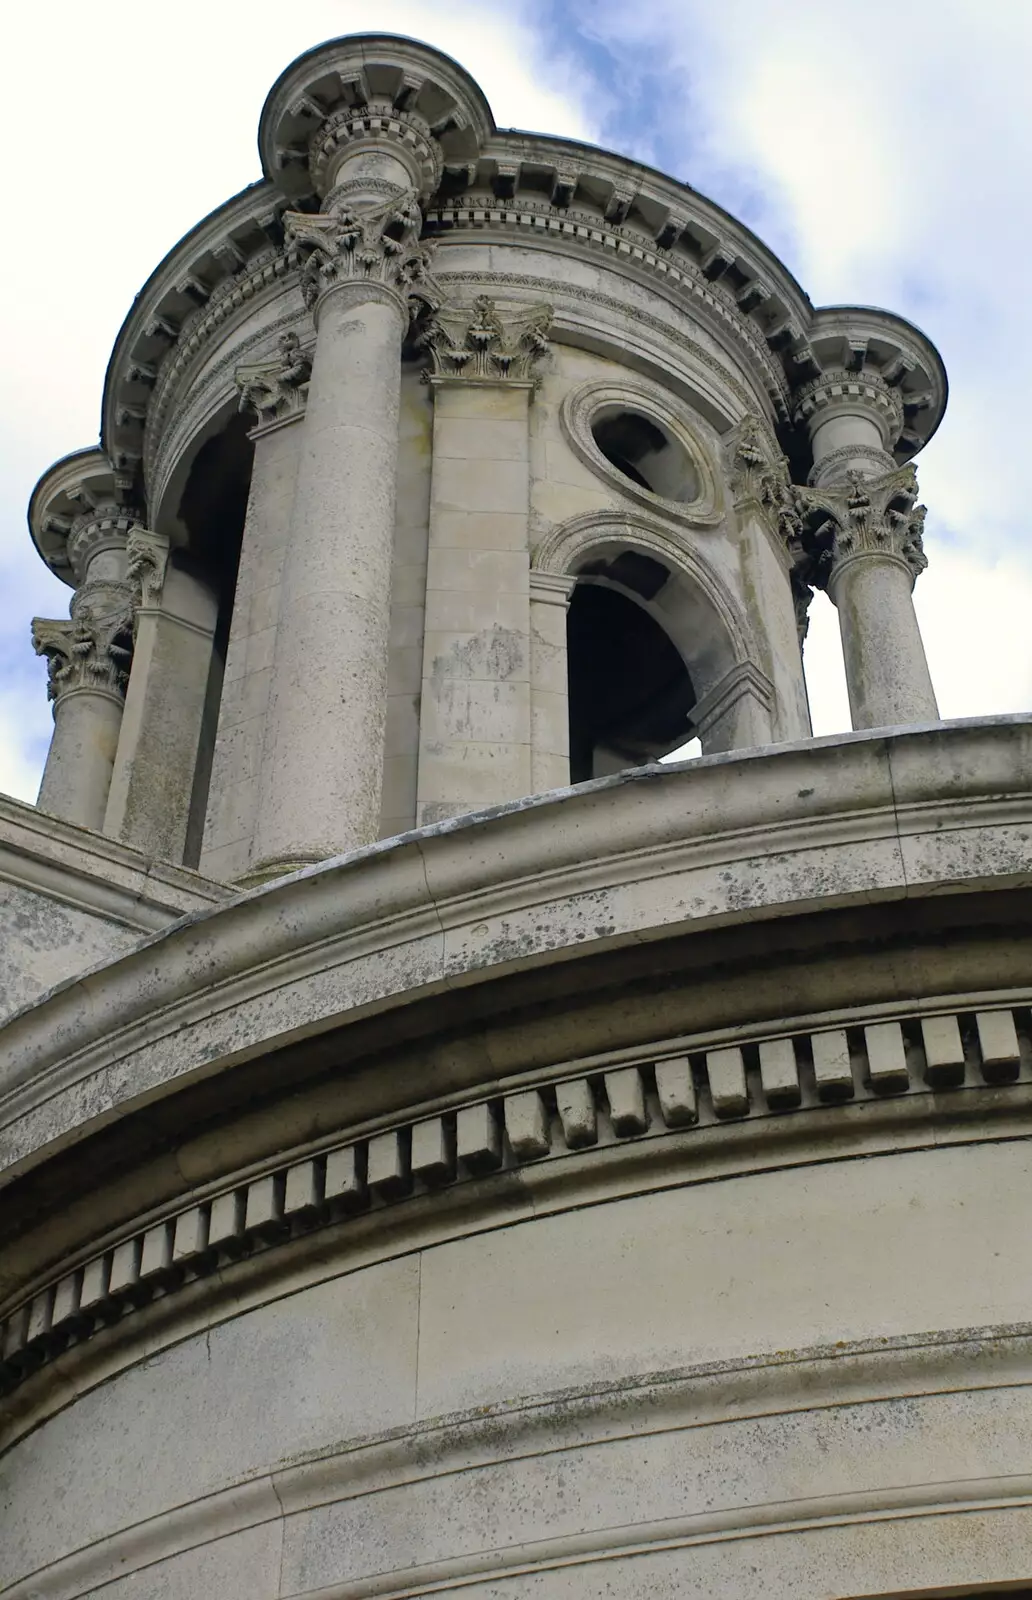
{"x":882,"y":149}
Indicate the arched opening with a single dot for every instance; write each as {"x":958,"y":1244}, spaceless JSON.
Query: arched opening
{"x":211,"y":511}
{"x":645,"y":452}
{"x":630,"y":692}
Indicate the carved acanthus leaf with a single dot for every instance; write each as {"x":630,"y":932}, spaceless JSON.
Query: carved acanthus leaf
{"x":481,"y":343}
{"x":86,"y":652}
{"x":278,"y":386}
{"x":147,"y":558}
{"x":379,"y":243}
{"x":863,"y":516}
{"x":759,"y":480}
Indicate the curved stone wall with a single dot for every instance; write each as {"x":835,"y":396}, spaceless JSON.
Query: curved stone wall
{"x":619,"y":1193}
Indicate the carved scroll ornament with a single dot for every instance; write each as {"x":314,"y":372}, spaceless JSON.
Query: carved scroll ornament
{"x":278,"y":386}
{"x":377,"y":243}
{"x":86,"y":652}
{"x":480,"y":343}
{"x":863,"y":516}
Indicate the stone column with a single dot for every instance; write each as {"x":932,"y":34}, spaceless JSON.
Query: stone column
{"x":874,"y":554}
{"x":152,"y":784}
{"x":322,"y":756}
{"x":863,"y":532}
{"x":88,"y":659}
{"x":475,"y":707}
{"x":549,"y":680}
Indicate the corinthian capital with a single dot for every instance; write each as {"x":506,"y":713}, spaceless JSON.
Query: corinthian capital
{"x":481,"y":344}
{"x":277,"y":387}
{"x":378,"y":243}
{"x":865,"y":516}
{"x":147,"y":555}
{"x":86,"y":652}
{"x":759,"y":480}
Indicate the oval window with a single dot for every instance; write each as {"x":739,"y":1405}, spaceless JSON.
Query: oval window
{"x":645,"y":453}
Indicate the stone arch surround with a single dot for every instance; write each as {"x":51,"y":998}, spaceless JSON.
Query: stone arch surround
{"x":565,"y":549}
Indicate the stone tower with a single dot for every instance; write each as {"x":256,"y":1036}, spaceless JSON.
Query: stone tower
{"x":442,"y":1149}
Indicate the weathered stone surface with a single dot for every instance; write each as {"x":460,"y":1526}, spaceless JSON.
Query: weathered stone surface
{"x":545,"y":1190}
{"x":70,"y":900}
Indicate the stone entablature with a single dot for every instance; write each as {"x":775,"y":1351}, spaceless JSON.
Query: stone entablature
{"x":653,"y":842}
{"x":691,"y":1086}
{"x":642,"y":223}
{"x":80,"y":507}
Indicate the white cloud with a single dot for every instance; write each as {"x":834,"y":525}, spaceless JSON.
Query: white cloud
{"x":883,"y":150}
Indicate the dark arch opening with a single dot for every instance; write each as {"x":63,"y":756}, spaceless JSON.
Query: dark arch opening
{"x":212,"y":511}
{"x":630,"y":691}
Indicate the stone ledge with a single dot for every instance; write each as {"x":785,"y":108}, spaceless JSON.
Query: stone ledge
{"x":70,"y":898}
{"x":580,"y":1108}
{"x":657,"y":851}
{"x":96,"y":874}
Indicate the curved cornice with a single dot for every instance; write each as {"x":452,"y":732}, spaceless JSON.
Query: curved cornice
{"x":603,"y":1128}
{"x":589,"y":198}
{"x":865,"y":339}
{"x":353,"y":70}
{"x":67,"y":489}
{"x":652,"y":853}
{"x":217,"y":257}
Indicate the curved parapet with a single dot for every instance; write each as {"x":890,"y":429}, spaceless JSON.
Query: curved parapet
{"x":597,"y":1186}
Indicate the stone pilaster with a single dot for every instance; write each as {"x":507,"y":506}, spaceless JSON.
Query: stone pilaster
{"x":865,"y":540}
{"x":232,"y":807}
{"x":549,"y":680}
{"x":155,"y":767}
{"x":774,"y":563}
{"x":321,"y":769}
{"x":476,"y":742}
